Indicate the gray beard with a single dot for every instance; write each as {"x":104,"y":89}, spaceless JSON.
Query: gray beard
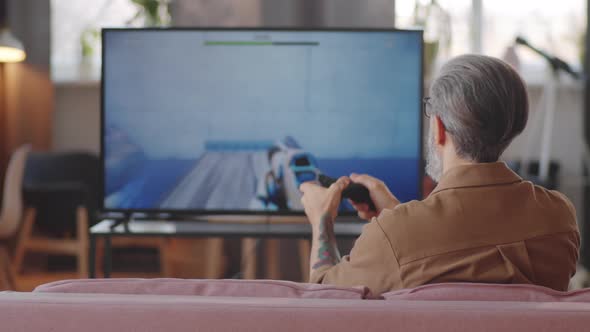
{"x":433,"y":160}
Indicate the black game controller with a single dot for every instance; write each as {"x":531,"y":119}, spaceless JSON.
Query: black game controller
{"x":356,"y":192}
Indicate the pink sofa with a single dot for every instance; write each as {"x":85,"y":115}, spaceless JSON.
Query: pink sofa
{"x":230,"y":305}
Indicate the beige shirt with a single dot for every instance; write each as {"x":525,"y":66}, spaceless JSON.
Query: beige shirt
{"x":482,"y":223}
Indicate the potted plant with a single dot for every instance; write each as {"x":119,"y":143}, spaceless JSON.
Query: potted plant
{"x":151,"y":13}
{"x":436,"y":23}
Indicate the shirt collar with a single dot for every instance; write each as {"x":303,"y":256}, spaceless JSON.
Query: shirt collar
{"x":477,"y":175}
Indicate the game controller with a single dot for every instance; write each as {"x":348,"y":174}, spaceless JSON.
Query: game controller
{"x":356,"y":192}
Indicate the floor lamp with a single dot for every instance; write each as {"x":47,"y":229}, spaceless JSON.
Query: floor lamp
{"x":11,"y":51}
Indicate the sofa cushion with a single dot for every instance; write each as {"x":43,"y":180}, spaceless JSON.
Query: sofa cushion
{"x":487,"y":292}
{"x":170,"y":313}
{"x":206,"y":287}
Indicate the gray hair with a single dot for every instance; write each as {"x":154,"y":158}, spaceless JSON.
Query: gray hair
{"x":483,"y":103}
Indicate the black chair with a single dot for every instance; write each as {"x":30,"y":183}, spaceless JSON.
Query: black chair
{"x":60,"y":197}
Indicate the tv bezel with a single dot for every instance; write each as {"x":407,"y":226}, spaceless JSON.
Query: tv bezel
{"x":269,"y":213}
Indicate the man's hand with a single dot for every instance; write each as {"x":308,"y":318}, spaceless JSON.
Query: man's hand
{"x":321,"y":207}
{"x":319,"y":201}
{"x":380,"y":195}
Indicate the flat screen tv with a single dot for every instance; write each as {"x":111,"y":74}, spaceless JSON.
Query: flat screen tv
{"x":209,"y":121}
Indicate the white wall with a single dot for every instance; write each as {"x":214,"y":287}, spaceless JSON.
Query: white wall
{"x":567,"y":144}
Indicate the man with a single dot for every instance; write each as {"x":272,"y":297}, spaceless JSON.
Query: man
{"x":482,"y":223}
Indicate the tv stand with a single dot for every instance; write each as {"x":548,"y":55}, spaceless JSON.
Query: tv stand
{"x":247,"y":228}
{"x":126,"y":217}
{"x":122,"y":221}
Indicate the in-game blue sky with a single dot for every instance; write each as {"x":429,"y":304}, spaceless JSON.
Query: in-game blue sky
{"x":341,"y":95}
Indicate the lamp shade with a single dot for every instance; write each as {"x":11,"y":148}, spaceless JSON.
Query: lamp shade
{"x":11,"y":49}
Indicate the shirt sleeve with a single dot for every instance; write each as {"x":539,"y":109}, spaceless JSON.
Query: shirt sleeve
{"x":371,"y":263}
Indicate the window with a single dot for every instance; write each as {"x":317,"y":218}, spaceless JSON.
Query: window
{"x":555,"y":26}
{"x":459,"y":15}
{"x":70,"y":20}
{"x":74,"y":21}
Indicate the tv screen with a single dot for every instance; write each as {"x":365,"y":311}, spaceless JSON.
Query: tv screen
{"x":234,"y":120}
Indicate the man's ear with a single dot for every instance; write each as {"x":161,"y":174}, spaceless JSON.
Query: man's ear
{"x":440,"y":132}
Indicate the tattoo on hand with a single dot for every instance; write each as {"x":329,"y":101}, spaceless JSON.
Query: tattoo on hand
{"x":328,"y":251}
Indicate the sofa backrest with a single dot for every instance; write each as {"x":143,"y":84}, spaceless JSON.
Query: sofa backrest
{"x":487,"y":292}
{"x":289,"y":289}
{"x":206,"y":287}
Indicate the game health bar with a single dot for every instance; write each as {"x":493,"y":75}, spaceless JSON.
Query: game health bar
{"x":260,"y":43}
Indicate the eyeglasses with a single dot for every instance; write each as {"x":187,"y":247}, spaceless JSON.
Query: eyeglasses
{"x":425,"y":107}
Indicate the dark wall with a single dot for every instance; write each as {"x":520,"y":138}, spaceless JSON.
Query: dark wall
{"x":585,"y":224}
{"x":284,"y":13}
{"x":329,"y":13}
{"x":30,"y":21}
